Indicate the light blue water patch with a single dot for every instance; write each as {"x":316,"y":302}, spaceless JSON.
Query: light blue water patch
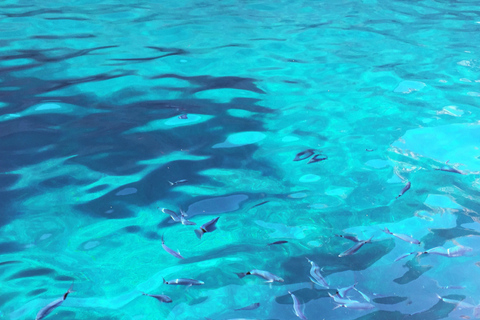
{"x":441,"y":201}
{"x":290,"y":139}
{"x":217,"y":205}
{"x":3,"y":104}
{"x":240,"y":139}
{"x":378,"y":163}
{"x":283,"y":231}
{"x":171,"y":122}
{"x":297,"y":195}
{"x":457,"y":143}
{"x":409,"y":86}
{"x":309,"y":178}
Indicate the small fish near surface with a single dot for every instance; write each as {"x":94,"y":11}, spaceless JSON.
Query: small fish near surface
{"x":456,"y":251}
{"x":316,"y":276}
{"x":405,"y":189}
{"x":336,"y":298}
{"x":317,"y":158}
{"x":250,"y":307}
{"x":403,"y":237}
{"x":210,"y":226}
{"x":297,"y":307}
{"x":355,"y":248}
{"x":342,"y":292}
{"x":45,"y":311}
{"x":448,"y":168}
{"x":270,"y":277}
{"x":277,"y":242}
{"x":159,"y":297}
{"x":184,"y":282}
{"x":355,"y":305}
{"x":173,"y":253}
{"x":184,"y":221}
{"x":304,"y":155}
{"x":177,"y":182}
{"x":172,"y":214}
{"x":351,"y":238}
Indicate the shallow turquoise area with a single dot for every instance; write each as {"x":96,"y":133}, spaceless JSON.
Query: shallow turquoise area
{"x":299,"y":124}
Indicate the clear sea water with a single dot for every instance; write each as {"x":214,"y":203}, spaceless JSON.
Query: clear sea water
{"x":92,"y":96}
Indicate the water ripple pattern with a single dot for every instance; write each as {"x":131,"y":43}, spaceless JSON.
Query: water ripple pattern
{"x":337,"y":143}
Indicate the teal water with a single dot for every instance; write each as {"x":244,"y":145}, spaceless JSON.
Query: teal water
{"x":92,"y":95}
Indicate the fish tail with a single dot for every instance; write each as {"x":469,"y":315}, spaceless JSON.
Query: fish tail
{"x":240,"y":274}
{"x":165,"y":282}
{"x":171,"y":183}
{"x":199,"y":232}
{"x":386,"y":230}
{"x":338,"y":306}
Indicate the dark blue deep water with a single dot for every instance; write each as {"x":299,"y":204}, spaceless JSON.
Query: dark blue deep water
{"x":111,"y":111}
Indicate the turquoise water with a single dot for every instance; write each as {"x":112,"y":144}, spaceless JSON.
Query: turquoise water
{"x":93,"y":99}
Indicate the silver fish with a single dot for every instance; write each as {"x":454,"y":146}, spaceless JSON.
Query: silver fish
{"x":406,"y":255}
{"x":173,"y":253}
{"x":183,"y":116}
{"x":340,"y":300}
{"x":450,"y":169}
{"x":352,"y":238}
{"x":456,"y":251}
{"x":172,"y":214}
{"x":342,"y":292}
{"x":297,"y":307}
{"x":250,"y":307}
{"x":459,"y":304}
{"x":270,"y":277}
{"x":356,"y":306}
{"x":405,"y":189}
{"x":184,"y":221}
{"x":184,"y":282}
{"x":316,"y":276}
{"x":207,"y":227}
{"x":355,"y":248}
{"x":177,"y":182}
{"x":403,"y":237}
{"x":45,"y":311}
{"x":159,"y":297}
{"x":367,"y":298}
{"x":303,"y":155}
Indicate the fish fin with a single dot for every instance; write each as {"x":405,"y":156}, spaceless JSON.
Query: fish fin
{"x":199,"y":232}
{"x":338,"y":306}
{"x":241,"y":274}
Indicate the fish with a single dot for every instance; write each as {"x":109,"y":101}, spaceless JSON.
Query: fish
{"x":356,"y":306}
{"x":277,"y":242}
{"x":317,"y":158}
{"x":45,"y":311}
{"x":303,"y":155}
{"x":207,"y":227}
{"x":405,"y":189}
{"x":336,"y":298}
{"x":297,"y":307}
{"x":159,"y":297}
{"x":459,"y":304}
{"x":184,"y":282}
{"x":369,"y":150}
{"x":270,"y":277}
{"x":173,"y":253}
{"x":352,"y":238}
{"x":259,"y":204}
{"x":184,"y":221}
{"x":456,"y":251}
{"x":403,"y":237}
{"x":177,"y":182}
{"x":342,"y":292}
{"x":367,"y":298}
{"x":183,"y":116}
{"x":250,"y":307}
{"x":355,"y":248}
{"x":405,"y":255}
{"x":316,"y":276}
{"x":450,"y":169}
{"x":172,"y":214}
